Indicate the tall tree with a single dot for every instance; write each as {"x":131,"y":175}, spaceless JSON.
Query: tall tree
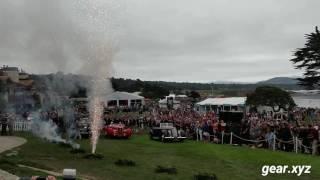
{"x":154,"y":91}
{"x":272,"y":97}
{"x":308,"y":59}
{"x":194,"y":95}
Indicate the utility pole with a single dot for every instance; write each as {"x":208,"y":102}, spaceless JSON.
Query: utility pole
{"x":211,"y":89}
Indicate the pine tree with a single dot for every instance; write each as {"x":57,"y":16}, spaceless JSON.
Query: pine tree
{"x":308,"y":59}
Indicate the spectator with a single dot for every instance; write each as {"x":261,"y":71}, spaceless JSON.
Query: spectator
{"x":4,"y":124}
{"x":314,"y":138}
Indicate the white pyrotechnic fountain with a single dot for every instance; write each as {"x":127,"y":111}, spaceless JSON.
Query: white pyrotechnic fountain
{"x":100,"y":86}
{"x":101,"y":44}
{"x":96,"y":112}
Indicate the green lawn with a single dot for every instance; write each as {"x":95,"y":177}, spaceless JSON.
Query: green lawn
{"x":189,"y":158}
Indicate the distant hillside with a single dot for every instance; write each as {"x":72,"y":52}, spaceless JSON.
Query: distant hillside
{"x":280,"y":80}
{"x":64,"y":84}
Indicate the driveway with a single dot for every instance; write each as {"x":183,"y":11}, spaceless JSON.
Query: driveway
{"x":7,"y":143}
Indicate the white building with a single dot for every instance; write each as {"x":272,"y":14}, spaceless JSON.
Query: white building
{"x":11,"y":73}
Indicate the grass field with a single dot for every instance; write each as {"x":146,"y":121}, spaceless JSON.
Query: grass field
{"x":189,"y":158}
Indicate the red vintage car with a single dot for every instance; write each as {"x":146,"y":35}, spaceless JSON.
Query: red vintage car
{"x":117,"y":131}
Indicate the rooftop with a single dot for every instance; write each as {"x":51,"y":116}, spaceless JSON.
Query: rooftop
{"x":233,"y":101}
{"x":8,"y":68}
{"x":118,"y":95}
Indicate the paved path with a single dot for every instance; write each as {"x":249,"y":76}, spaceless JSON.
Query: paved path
{"x":7,"y":143}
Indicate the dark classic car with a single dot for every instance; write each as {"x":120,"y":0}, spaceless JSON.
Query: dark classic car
{"x":84,"y":127}
{"x":166,"y":132}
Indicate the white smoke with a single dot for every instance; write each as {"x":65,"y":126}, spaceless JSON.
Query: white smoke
{"x":45,"y":129}
{"x":48,"y":130}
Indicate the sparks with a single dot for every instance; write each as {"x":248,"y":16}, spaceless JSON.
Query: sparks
{"x":96,"y":122}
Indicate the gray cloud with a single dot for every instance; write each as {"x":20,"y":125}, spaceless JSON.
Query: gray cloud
{"x":176,"y":40}
{"x":214,"y":40}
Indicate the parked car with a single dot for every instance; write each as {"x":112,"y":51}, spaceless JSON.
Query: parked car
{"x":117,"y":131}
{"x":166,"y":132}
{"x":84,"y":127}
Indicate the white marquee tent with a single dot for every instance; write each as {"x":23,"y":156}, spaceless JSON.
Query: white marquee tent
{"x":123,"y":99}
{"x":222,"y":104}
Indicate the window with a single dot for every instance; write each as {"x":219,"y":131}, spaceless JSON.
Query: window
{"x":123,"y":103}
{"x":226,"y":108}
{"x":214,"y":108}
{"x":112,"y":103}
{"x":136,"y":102}
{"x":234,"y":108}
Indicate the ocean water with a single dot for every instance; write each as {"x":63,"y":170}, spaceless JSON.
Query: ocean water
{"x":308,"y":101}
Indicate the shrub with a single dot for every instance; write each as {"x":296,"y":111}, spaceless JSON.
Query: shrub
{"x":168,"y":170}
{"x":93,"y":156}
{"x":77,"y":151}
{"x":64,"y":145}
{"x":205,"y":176}
{"x":125,"y":162}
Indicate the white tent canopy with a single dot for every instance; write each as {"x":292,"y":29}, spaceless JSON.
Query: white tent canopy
{"x":230,"y":101}
{"x":234,"y":104}
{"x":117,"y":95}
{"x":118,"y":98}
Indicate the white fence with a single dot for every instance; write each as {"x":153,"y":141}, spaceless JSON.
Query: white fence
{"x":18,"y":126}
{"x":22,"y":126}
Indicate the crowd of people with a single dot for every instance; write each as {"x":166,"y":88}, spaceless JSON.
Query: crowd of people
{"x":291,"y":131}
{"x":296,"y":129}
{"x":194,"y":125}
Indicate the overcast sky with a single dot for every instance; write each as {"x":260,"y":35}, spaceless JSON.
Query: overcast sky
{"x":192,"y":40}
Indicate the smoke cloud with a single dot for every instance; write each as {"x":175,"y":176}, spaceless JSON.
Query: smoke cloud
{"x":45,"y":129}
